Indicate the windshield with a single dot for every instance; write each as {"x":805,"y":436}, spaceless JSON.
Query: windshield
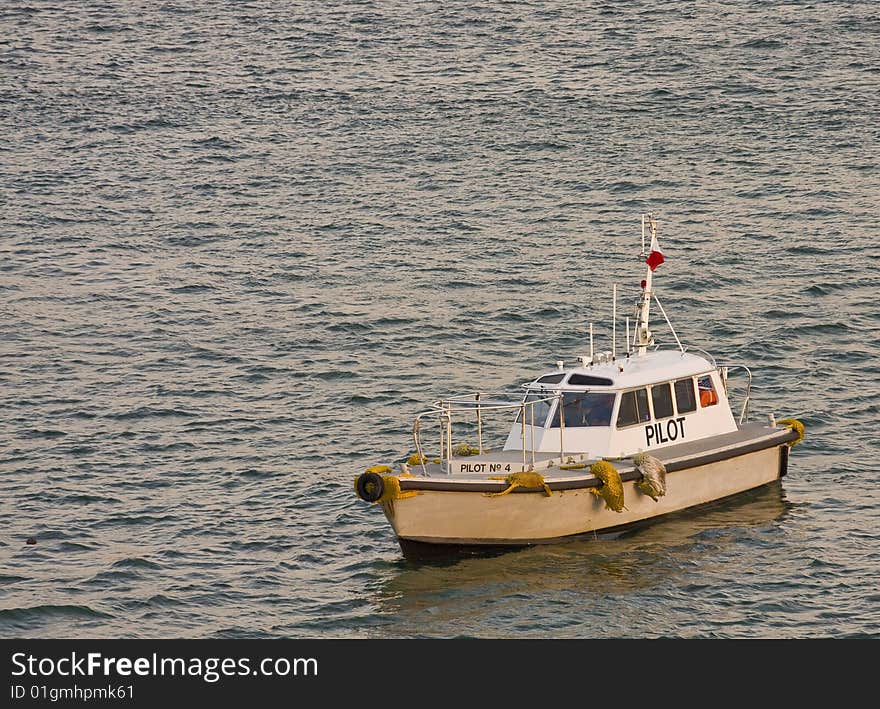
{"x":585,"y":409}
{"x":542,"y":408}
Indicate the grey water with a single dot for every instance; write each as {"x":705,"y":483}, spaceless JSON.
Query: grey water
{"x":243,"y":244}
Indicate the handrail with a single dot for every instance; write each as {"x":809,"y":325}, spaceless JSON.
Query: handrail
{"x":514,"y":400}
{"x":703,"y":352}
{"x":464,"y":403}
{"x":685,"y":349}
{"x":744,"y":412}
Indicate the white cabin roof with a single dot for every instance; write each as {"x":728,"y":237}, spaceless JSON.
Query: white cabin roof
{"x":634,"y":371}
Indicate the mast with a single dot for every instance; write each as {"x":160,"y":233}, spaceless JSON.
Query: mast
{"x":643,"y":332}
{"x":614,"y":322}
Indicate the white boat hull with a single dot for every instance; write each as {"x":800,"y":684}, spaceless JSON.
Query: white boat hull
{"x":475,"y":518}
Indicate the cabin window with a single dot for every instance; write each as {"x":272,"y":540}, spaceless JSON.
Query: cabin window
{"x":585,"y":409}
{"x":661,"y":398}
{"x":708,"y":397}
{"x":551,"y":378}
{"x":684,"y":396}
{"x":542,"y":408}
{"x":589,"y":380}
{"x":633,"y":408}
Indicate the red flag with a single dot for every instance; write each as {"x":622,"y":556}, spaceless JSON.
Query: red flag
{"x":655,"y":258}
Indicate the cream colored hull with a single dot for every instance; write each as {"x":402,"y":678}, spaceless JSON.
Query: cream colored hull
{"x":531,"y":517}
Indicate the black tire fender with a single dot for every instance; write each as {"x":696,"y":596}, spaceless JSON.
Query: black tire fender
{"x":370,"y":486}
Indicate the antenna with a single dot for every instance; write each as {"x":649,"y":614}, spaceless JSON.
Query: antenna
{"x":591,"y":342}
{"x":614,"y":321}
{"x":643,"y":235}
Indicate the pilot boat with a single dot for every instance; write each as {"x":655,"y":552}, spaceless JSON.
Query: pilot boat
{"x":616,"y":440}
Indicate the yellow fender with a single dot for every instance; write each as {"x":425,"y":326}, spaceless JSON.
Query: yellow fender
{"x":797,"y":426}
{"x":463,"y":449}
{"x":415,"y":459}
{"x":392,"y":490}
{"x":611,"y":489}
{"x":531,"y":481}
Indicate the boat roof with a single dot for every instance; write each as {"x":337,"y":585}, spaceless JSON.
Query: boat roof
{"x":627,"y":371}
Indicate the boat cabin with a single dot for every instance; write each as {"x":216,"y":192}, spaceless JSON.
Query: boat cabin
{"x":618,"y":407}
{"x":608,"y":407}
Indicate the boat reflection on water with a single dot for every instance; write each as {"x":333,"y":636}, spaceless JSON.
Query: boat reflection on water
{"x":555,"y":588}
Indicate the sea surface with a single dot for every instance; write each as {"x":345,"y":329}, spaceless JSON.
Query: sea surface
{"x":243,"y":244}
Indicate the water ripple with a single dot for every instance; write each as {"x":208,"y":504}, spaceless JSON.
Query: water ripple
{"x":244,"y":245}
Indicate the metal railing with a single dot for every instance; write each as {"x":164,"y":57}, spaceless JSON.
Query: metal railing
{"x":478,"y":404}
{"x":684,"y":349}
{"x":725,"y":371}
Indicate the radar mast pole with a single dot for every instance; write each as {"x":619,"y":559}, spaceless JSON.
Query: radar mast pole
{"x":645,"y":336}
